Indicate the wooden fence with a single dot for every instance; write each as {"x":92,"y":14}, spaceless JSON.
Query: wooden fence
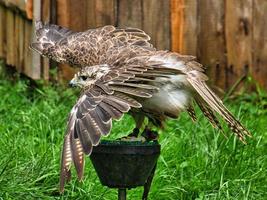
{"x":228,"y":36}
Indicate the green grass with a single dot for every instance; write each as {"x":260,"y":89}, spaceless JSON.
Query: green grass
{"x":196,"y":161}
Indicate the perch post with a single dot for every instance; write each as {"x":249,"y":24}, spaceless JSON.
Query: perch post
{"x":125,"y":165}
{"x":122,"y":194}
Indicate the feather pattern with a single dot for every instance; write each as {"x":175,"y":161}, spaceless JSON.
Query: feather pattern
{"x":191,"y":112}
{"x":209,"y":114}
{"x":216,"y":104}
{"x":120,"y":70}
{"x":66,"y":159}
{"x":77,"y":155}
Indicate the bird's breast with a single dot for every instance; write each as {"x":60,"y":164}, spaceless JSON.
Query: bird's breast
{"x":172,"y":97}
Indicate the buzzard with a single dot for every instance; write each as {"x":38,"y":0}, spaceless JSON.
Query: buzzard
{"x":121,"y":72}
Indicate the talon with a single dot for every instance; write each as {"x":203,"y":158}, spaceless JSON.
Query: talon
{"x":132,"y":136}
{"x":150,"y":135}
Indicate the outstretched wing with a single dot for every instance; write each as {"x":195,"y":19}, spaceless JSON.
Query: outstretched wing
{"x":90,"y":118}
{"x":111,"y":96}
{"x":86,"y":48}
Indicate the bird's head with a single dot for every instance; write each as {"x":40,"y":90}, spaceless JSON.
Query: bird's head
{"x":88,"y":76}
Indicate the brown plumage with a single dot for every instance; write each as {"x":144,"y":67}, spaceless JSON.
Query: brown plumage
{"x":121,"y":72}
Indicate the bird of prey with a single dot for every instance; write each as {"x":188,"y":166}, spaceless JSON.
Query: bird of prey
{"x":121,"y":72}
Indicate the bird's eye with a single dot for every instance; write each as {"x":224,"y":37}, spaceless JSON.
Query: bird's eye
{"x":83,"y":78}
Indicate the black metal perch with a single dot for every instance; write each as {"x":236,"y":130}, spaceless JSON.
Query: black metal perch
{"x":125,"y":165}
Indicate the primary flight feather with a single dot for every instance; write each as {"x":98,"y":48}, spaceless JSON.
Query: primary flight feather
{"x":121,"y":72}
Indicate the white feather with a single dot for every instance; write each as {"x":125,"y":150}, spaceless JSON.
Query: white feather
{"x":173,"y":96}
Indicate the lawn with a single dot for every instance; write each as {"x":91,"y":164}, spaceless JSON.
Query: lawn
{"x":197,"y":162}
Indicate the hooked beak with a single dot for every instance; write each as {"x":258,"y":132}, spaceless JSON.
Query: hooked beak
{"x":72,"y":83}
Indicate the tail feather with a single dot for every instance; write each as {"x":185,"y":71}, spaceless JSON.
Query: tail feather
{"x":191,"y":112}
{"x":209,"y":114}
{"x":217,"y":105}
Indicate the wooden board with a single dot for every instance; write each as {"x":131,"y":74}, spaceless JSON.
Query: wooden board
{"x":156,"y":22}
{"x":29,"y":9}
{"x":46,"y":18}
{"x":21,"y":26}
{"x":211,"y":44}
{"x":27,"y":52}
{"x":259,"y":42}
{"x":2,"y":32}
{"x":77,"y":15}
{"x":101,"y":12}
{"x":238,"y":31}
{"x":36,"y":57}
{"x":62,"y":10}
{"x":71,"y":14}
{"x":10,"y":35}
{"x":184,"y":26}
{"x":130,"y":13}
{"x":16,"y":41}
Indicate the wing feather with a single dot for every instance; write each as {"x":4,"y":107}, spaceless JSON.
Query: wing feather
{"x":133,"y":91}
{"x":77,"y":156}
{"x":114,"y":113}
{"x":66,"y":160}
{"x":216,"y":104}
{"x":84,"y":136}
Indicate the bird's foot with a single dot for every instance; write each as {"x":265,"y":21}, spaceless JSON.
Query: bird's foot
{"x":133,"y":137}
{"x":150,"y":135}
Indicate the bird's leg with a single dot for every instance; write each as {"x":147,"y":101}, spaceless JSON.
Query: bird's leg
{"x":139,"y":120}
{"x":133,"y":136}
{"x":135,"y":132}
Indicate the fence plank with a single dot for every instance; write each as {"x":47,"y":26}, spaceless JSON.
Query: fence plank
{"x":16,"y":41}
{"x":46,"y":17}
{"x":101,"y":12}
{"x":130,"y":13}
{"x":62,"y":10}
{"x":77,"y":15}
{"x":238,"y":29}
{"x":72,"y":14}
{"x":2,"y":32}
{"x":156,"y":22}
{"x":211,"y":44}
{"x":260,"y":42}
{"x":184,"y":26}
{"x":177,"y":25}
{"x":21,"y":26}
{"x":36,"y":57}
{"x":10,"y":42}
{"x":27,"y":52}
{"x":29,"y":9}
